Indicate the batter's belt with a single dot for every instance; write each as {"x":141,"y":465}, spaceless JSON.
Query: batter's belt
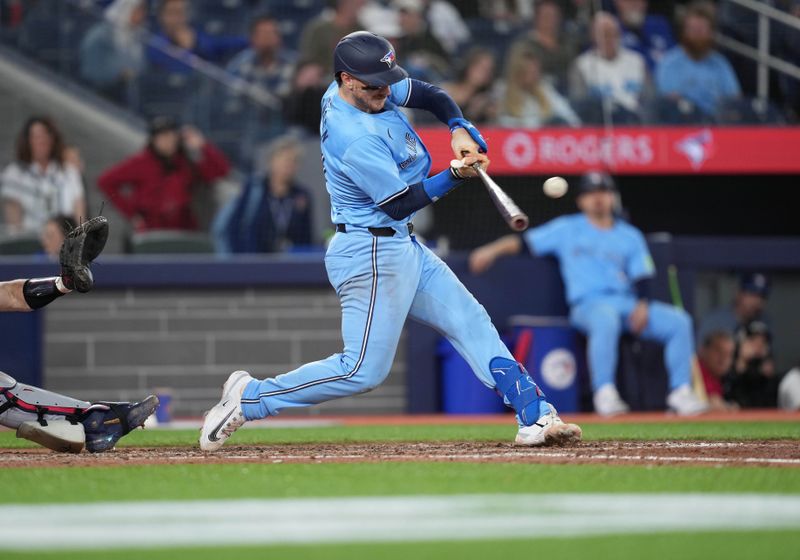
{"x":378,"y":231}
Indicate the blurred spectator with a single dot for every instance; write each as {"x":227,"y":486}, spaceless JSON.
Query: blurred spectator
{"x":609,"y":71}
{"x":53,"y":233}
{"x":111,"y":52}
{"x":40,"y":183}
{"x":472,"y":88}
{"x":175,"y":30}
{"x":153,"y":188}
{"x":265,"y":62}
{"x":754,"y":383}
{"x":553,"y":48}
{"x":273,"y":213}
{"x":715,"y":357}
{"x":321,"y":34}
{"x":694,"y":70}
{"x":748,"y":305}
{"x":425,"y":58}
{"x":446,"y":25}
{"x":301,"y":107}
{"x":526,"y":100}
{"x":648,"y":34}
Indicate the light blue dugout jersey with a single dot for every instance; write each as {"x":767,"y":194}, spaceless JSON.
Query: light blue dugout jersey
{"x":369,"y":158}
{"x":593,"y":261}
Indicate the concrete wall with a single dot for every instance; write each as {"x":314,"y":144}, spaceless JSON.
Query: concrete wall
{"x":124,"y":344}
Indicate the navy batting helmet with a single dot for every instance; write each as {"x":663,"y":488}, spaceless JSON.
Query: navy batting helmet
{"x":596,"y":181}
{"x":369,"y":58}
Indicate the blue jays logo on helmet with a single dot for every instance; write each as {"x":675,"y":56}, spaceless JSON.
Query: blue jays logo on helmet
{"x":388,"y":58}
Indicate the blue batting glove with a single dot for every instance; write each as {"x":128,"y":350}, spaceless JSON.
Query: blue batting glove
{"x":470,"y":128}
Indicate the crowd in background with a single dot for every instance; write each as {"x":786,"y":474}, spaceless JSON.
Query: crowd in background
{"x":513,"y":63}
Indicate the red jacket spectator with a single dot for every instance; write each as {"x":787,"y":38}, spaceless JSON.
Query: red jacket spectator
{"x":153,"y":188}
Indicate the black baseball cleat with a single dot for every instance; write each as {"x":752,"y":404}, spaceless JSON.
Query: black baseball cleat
{"x":107,"y":422}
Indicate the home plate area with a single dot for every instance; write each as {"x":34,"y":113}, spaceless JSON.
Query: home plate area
{"x":778,"y":453}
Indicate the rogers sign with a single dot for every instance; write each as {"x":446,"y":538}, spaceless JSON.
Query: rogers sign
{"x":641,"y":150}
{"x":523,"y":150}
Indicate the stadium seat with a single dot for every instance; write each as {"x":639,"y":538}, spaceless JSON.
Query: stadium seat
{"x":222,"y":17}
{"x":170,"y":242}
{"x":748,"y":111}
{"x":591,"y":112}
{"x":665,"y":110}
{"x":165,"y":93}
{"x":20,"y":245}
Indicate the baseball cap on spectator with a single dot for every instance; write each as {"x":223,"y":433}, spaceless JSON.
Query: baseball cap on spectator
{"x":754,"y":283}
{"x":596,"y":181}
{"x":757,"y":328}
{"x":162,"y":124}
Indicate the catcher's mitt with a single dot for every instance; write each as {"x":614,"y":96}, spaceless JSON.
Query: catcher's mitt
{"x":81,"y":246}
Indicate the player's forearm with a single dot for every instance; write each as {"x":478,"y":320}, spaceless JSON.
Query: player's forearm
{"x":11,"y":296}
{"x":506,"y":246}
{"x":27,"y":295}
{"x":419,"y":195}
{"x":38,"y":292}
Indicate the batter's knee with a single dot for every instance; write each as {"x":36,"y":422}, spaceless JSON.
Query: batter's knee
{"x":367,"y":374}
{"x":364,"y":382}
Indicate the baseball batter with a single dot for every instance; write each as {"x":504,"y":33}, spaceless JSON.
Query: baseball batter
{"x":56,"y":421}
{"x":376,"y":170}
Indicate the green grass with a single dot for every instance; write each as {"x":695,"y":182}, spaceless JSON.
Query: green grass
{"x":249,"y":480}
{"x":334,"y":434}
{"x":740,"y":545}
{"x":257,"y":480}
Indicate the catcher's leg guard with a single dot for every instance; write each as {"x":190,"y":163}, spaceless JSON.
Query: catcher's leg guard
{"x":44,"y":417}
{"x":20,"y":403}
{"x":518,"y":390}
{"x":58,"y":435}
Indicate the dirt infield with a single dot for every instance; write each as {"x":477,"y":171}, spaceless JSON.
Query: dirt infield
{"x":777,"y":453}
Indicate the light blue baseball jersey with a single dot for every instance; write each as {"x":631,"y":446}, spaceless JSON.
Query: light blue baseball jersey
{"x":371,"y":158}
{"x":593,"y":261}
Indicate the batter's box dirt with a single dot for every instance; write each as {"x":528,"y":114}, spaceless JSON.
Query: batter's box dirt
{"x":778,"y":453}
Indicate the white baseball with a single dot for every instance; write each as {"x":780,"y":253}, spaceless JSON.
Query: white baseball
{"x":555,"y":187}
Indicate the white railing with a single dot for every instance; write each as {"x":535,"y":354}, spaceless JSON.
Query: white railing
{"x":760,"y":54}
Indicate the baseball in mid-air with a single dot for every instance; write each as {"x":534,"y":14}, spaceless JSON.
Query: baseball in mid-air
{"x":555,"y":187}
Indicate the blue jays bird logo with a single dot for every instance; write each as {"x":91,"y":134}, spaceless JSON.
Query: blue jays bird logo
{"x":388,"y":58}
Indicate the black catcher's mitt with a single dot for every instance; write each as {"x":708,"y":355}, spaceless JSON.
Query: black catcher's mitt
{"x":81,"y":246}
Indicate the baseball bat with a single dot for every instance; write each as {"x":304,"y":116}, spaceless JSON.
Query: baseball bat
{"x":516,"y":219}
{"x":698,"y":384}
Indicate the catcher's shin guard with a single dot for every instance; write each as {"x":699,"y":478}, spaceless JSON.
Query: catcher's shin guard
{"x":518,"y":390}
{"x":46,"y":418}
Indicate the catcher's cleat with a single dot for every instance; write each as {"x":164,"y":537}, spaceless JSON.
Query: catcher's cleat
{"x":107,"y":422}
{"x":81,"y":246}
{"x":548,"y":430}
{"x":226,"y":417}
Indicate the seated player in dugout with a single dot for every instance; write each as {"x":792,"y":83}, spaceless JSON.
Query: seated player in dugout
{"x":607,"y":270}
{"x":56,"y":421}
